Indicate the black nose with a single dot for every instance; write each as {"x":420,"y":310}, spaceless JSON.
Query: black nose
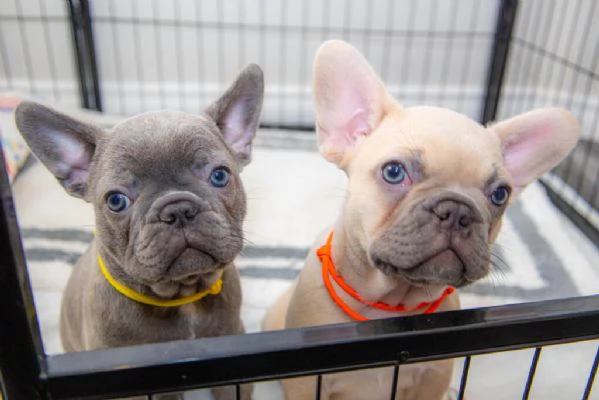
{"x":181,"y":212}
{"x":453,"y":214}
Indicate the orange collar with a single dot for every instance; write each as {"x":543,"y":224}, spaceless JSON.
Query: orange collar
{"x":329,"y":270}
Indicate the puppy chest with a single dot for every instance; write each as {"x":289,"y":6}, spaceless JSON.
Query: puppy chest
{"x":375,"y":383}
{"x":190,"y":320}
{"x":196,"y":321}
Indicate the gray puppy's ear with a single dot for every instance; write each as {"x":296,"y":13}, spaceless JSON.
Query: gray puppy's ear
{"x":237,"y":111}
{"x":64,"y":145}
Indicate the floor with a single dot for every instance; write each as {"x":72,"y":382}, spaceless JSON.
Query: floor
{"x":292,"y":195}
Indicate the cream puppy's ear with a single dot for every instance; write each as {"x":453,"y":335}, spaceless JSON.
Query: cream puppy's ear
{"x":535,"y":142}
{"x":349,"y":98}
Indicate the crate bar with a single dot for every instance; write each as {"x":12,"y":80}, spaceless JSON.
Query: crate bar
{"x":464,"y":380}
{"x":296,"y":352}
{"x":85,"y":54}
{"x":318,"y":387}
{"x":283,"y":39}
{"x":573,"y":215}
{"x":531,"y":373}
{"x":49,"y":51}
{"x":21,"y":350}
{"x":430,"y":42}
{"x":304,"y":77}
{"x":139,"y":67}
{"x":118,"y":68}
{"x":544,"y":22}
{"x":199,"y":26}
{"x":519,"y":59}
{"x":180,"y":59}
{"x":469,"y":42}
{"x":506,"y":18}
{"x":26,"y":48}
{"x":592,"y":374}
{"x":5,"y":61}
{"x":394,"y":381}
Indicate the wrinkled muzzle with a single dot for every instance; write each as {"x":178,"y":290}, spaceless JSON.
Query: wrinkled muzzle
{"x":442,"y":240}
{"x":183,"y":237}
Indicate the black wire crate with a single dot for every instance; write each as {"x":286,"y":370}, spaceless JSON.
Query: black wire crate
{"x":488,"y":59}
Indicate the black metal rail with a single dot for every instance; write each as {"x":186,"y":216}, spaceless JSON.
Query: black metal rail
{"x":22,"y":362}
{"x":504,"y":27}
{"x":309,"y":351}
{"x":85,"y":54}
{"x":574,"y":215}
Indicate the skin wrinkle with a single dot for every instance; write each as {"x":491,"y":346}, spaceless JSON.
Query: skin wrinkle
{"x":150,"y":256}
{"x":410,"y":253}
{"x":355,"y":253}
{"x":211,"y":224}
{"x":141,"y":244}
{"x":355,"y":256}
{"x":389,"y":217}
{"x":178,"y":236}
{"x":230,"y":210}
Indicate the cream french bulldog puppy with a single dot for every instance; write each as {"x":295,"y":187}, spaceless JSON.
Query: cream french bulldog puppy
{"x":169,"y":206}
{"x":426,"y":193}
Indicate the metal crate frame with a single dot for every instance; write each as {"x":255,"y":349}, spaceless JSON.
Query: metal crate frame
{"x":27,"y":373}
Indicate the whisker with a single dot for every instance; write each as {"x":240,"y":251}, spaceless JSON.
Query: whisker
{"x":499,"y":264}
{"x":428,"y":292}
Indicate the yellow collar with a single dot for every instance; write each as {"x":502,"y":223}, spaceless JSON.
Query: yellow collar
{"x":142,"y":298}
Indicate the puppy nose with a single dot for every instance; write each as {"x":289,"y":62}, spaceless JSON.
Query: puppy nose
{"x":181,"y":212}
{"x":453,"y":214}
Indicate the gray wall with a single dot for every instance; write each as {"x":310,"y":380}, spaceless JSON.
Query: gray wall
{"x":180,"y":54}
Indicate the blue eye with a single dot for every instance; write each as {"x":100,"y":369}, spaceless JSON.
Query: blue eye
{"x":117,"y":202}
{"x":500,"y":196}
{"x":394,"y":173}
{"x":220,"y":177}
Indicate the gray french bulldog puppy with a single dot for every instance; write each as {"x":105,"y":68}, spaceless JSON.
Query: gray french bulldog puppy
{"x":169,"y":206}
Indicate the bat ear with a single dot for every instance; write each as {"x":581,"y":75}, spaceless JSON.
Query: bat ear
{"x":237,"y":111}
{"x":64,"y":145}
{"x":349,"y":98}
{"x":535,"y":142}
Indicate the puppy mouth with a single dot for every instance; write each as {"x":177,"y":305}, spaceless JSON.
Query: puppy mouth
{"x":189,"y":279}
{"x":190,"y":265}
{"x":443,"y":267}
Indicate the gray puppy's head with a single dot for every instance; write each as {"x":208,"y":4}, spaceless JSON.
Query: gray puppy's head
{"x":165,"y":185}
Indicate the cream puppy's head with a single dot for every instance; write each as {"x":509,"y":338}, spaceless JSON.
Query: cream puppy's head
{"x":427,"y":186}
